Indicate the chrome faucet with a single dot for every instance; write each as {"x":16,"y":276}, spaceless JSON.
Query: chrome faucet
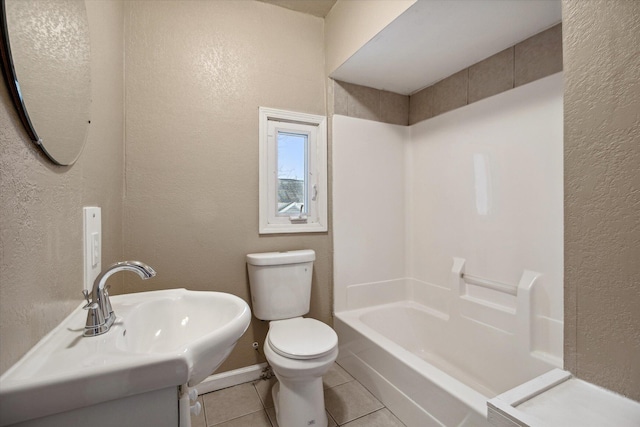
{"x":100,"y":314}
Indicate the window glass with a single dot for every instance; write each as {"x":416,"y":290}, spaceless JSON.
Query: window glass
{"x":292,"y":173}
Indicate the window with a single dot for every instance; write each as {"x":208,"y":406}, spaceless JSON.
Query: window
{"x":293,"y":172}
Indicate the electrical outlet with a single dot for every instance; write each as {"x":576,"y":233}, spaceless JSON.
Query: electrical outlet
{"x":92,"y":222}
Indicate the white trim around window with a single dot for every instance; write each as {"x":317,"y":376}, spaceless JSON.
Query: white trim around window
{"x":309,"y":215}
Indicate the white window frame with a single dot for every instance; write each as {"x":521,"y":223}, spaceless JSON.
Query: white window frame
{"x":315,"y":126}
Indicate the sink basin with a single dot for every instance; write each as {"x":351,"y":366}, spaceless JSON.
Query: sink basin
{"x":160,"y":339}
{"x":203,"y":326}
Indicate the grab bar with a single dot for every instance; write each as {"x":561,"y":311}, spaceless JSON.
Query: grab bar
{"x":490,"y":284}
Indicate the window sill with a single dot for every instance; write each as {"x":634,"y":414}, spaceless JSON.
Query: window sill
{"x":293,"y":228}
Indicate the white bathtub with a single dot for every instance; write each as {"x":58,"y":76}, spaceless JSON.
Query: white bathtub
{"x":437,"y":368}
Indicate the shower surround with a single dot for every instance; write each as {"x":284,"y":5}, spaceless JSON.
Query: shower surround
{"x":448,"y":242}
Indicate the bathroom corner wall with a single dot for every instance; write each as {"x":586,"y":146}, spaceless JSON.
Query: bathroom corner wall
{"x":602,"y":188}
{"x":197,"y":72}
{"x":369,"y":197}
{"x":41,"y":273}
{"x":487,"y":188}
{"x":481,"y":183}
{"x":532,"y":59}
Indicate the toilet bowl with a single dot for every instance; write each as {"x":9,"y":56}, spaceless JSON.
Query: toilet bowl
{"x":299,"y":391}
{"x":300,"y":350}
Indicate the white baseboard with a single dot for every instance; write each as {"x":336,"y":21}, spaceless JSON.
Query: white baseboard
{"x":230,"y":378}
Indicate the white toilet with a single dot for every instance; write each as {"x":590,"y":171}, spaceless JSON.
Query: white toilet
{"x":299,"y":350}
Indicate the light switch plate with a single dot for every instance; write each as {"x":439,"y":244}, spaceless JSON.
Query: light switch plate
{"x":92,"y":245}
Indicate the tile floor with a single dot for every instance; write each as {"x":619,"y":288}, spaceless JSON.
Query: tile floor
{"x":347,"y":402}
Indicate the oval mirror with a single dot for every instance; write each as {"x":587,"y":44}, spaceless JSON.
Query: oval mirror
{"x":46,"y":65}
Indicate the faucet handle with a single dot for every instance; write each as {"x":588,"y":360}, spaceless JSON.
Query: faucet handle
{"x":86,"y":296}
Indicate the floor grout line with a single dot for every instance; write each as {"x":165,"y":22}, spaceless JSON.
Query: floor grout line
{"x":264,"y":408}
{"x":244,"y":415}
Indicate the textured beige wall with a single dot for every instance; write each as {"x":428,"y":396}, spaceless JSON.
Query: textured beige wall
{"x":196,"y":73}
{"x":350,"y":24}
{"x":602,"y":192}
{"x":41,"y":204}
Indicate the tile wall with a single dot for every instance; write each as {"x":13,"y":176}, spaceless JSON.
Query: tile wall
{"x":532,"y":59}
{"x":369,"y":103}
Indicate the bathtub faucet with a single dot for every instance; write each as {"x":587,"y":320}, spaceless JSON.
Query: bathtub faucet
{"x":100,"y":315}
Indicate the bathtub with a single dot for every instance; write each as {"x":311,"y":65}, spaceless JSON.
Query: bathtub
{"x":438,"y":367}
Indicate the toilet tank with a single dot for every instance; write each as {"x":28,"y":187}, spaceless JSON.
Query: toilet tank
{"x":280,"y":283}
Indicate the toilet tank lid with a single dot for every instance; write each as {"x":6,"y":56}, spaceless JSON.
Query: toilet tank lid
{"x":279,"y":258}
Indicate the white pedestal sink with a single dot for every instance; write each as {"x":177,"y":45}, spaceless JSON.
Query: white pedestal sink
{"x":161,"y":339}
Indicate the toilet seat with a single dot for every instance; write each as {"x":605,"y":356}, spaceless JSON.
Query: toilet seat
{"x":301,"y":338}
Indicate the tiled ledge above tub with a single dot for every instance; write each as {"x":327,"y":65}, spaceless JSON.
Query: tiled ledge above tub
{"x":557,"y":399}
{"x":532,"y":59}
{"x":364,"y":102}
